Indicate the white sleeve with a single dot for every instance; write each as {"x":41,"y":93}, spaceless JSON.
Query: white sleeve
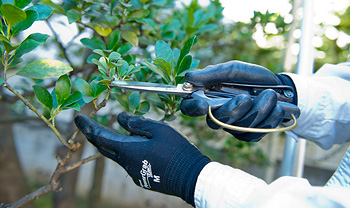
{"x":324,"y":102}
{"x":223,"y":186}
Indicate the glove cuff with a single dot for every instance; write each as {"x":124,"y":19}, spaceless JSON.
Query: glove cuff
{"x":183,"y":170}
{"x":286,"y":80}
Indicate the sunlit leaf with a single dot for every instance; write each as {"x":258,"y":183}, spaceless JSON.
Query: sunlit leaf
{"x":103,"y":31}
{"x":43,"y":96}
{"x":74,"y":106}
{"x":166,"y":66}
{"x":158,"y":71}
{"x":25,"y":24}
{"x":22,"y":3}
{"x":131,"y":37}
{"x":44,"y":68}
{"x":12,"y":14}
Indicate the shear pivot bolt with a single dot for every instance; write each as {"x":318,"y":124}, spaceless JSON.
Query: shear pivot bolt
{"x":187,"y":86}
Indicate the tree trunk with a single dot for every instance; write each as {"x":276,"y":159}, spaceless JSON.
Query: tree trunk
{"x":12,"y":179}
{"x":96,"y":188}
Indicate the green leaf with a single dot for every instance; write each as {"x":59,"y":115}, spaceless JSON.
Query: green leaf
{"x":186,"y":49}
{"x":124,"y":49}
{"x":113,"y":39}
{"x":83,"y":87}
{"x":122,"y":102}
{"x":166,"y":66}
{"x":1,"y":80}
{"x":143,"y":107}
{"x":208,"y":27}
{"x":22,"y":3}
{"x":15,"y":62}
{"x":43,"y":11}
{"x":43,"y":96}
{"x":54,"y":99}
{"x":45,"y":68}
{"x":62,"y":88}
{"x":12,"y":14}
{"x":134,"y":99}
{"x":138,"y":13}
{"x":30,"y":43}
{"x":74,"y":97}
{"x":185,"y":64}
{"x":93,"y":43}
{"x":56,"y":7}
{"x":126,"y":5}
{"x":103,"y":31}
{"x":163,"y":50}
{"x":97,"y":88}
{"x":99,"y":52}
{"x":158,"y":71}
{"x":25,"y":24}
{"x":122,"y":68}
{"x":154,"y":98}
{"x":114,"y":56}
{"x":131,"y":37}
{"x":74,"y":106}
{"x":73,"y":16}
{"x":8,"y":46}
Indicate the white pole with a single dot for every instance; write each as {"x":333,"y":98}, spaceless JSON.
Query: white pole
{"x":293,"y":162}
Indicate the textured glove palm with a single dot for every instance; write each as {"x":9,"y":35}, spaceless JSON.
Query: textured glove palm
{"x":156,"y":156}
{"x":260,"y":112}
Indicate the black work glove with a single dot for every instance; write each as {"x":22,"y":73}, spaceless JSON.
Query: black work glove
{"x":156,"y":156}
{"x":260,"y":112}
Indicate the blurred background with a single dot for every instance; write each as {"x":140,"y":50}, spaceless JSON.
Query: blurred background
{"x":264,"y":32}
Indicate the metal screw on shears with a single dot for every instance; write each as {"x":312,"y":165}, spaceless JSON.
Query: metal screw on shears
{"x":288,"y":93}
{"x":187,"y":86}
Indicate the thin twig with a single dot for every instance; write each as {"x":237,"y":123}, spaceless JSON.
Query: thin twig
{"x":32,"y":108}
{"x":80,"y":163}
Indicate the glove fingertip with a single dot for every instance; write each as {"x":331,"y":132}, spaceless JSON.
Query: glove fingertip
{"x":83,"y":123}
{"x":194,"y":107}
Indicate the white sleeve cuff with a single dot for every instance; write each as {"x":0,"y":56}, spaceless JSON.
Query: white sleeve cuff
{"x":223,"y":186}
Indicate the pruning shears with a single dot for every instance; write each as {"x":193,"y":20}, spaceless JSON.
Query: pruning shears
{"x":218,"y":94}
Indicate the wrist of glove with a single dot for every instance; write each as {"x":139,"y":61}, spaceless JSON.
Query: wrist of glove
{"x":261,"y":112}
{"x":155,"y":156}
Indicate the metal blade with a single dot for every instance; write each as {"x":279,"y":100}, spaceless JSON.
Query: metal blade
{"x":152,"y":87}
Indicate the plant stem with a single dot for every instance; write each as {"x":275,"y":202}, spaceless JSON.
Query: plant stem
{"x":32,"y":108}
{"x":80,"y":163}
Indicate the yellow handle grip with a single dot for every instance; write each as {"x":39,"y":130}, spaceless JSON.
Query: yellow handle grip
{"x":255,"y":130}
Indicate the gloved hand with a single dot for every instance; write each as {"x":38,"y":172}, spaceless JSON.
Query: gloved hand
{"x":260,"y":112}
{"x":155,"y":156}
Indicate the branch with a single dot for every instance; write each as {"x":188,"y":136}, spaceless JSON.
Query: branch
{"x":80,"y":163}
{"x":31,"y":107}
{"x":30,"y":197}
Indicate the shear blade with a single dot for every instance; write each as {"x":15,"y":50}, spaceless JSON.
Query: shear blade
{"x":151,"y":87}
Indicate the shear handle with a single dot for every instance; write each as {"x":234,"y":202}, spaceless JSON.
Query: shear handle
{"x":215,"y":102}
